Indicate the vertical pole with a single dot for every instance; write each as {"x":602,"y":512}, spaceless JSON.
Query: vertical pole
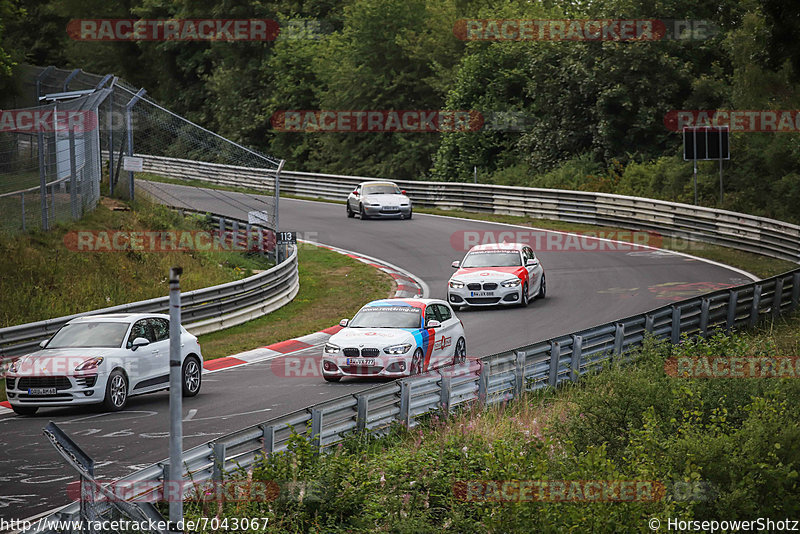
{"x":483,"y":381}
{"x":777,"y":298}
{"x":316,"y":429}
{"x":676,"y":325}
{"x":555,"y":356}
{"x":720,"y":167}
{"x":519,"y":373}
{"x":111,"y":142}
{"x":755,"y":305}
{"x":694,"y":140}
{"x":445,"y":390}
{"x":73,"y":178}
{"x":705,"y":305}
{"x":577,"y":354}
{"x":732,"y":302}
{"x":129,"y":120}
{"x":175,"y":400}
{"x":268,"y":436}
{"x":277,"y":210}
{"x":23,"y":209}
{"x":405,"y":402}
{"x":42,"y":180}
{"x":361,"y":415}
{"x":795,"y":291}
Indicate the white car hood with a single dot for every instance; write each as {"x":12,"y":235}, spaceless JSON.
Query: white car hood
{"x":479,"y":275}
{"x":56,"y":362}
{"x":386,"y":200}
{"x":371,"y":337}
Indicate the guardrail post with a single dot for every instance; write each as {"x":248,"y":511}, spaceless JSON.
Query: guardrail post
{"x":649,"y":322}
{"x":219,"y":461}
{"x":316,"y":428}
{"x":733,"y":298}
{"x":483,"y":381}
{"x":363,"y":409}
{"x":795,"y":291}
{"x":555,"y":355}
{"x":619,"y":339}
{"x":235,"y":236}
{"x":577,"y":354}
{"x":755,"y":304}
{"x":221,"y":227}
{"x":676,"y":325}
{"x":777,"y":297}
{"x":704,"y":307}
{"x":519,"y":373}
{"x":405,"y":402}
{"x":444,"y":389}
{"x":268,"y":437}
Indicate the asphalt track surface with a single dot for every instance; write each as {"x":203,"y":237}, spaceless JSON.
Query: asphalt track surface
{"x":585,"y":288}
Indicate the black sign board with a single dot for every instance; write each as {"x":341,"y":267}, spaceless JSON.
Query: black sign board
{"x":706,"y":143}
{"x":287,"y":238}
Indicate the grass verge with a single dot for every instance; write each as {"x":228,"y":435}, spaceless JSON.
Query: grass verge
{"x":685,"y":449}
{"x":332,"y":286}
{"x":757,"y":264}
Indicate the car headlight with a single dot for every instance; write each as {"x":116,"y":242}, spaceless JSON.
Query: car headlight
{"x":398,"y":349}
{"x":91,"y":363}
{"x":14,"y":367}
{"x":511,"y":283}
{"x":456,"y":284}
{"x":330,"y":348}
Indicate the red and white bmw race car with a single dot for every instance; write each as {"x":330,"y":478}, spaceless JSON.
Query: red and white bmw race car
{"x":497,"y":273}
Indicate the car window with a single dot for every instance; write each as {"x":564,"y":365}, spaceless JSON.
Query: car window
{"x":141,"y":328}
{"x":444,"y":312}
{"x":430,"y":314}
{"x":492,"y":258}
{"x":528,"y":253}
{"x":89,"y":334}
{"x":160,"y":328}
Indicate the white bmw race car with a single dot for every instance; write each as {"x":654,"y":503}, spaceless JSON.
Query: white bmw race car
{"x":394,"y":338}
{"x":502,"y":273}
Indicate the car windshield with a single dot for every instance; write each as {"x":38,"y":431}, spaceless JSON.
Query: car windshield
{"x":387,"y":317}
{"x":99,"y":334}
{"x":381,"y":189}
{"x":492,"y":258}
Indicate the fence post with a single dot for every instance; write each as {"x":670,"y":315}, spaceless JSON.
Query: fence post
{"x":23,"y":208}
{"x":777,"y":297}
{"x":363,"y":409}
{"x":619,"y":339}
{"x":555,"y":355}
{"x":268,"y":437}
{"x":676,"y":325}
{"x":73,"y":176}
{"x":649,"y":321}
{"x":577,"y":354}
{"x":444,"y":389}
{"x":483,"y":381}
{"x":235,"y":236}
{"x":733,"y":298}
{"x":519,"y":373}
{"x":42,"y":179}
{"x":704,"y":307}
{"x":754,"y":305}
{"x":795,"y":291}
{"x":316,"y":428}
{"x":129,"y":120}
{"x":405,"y":402}
{"x":219,"y":461}
{"x":222,"y":227}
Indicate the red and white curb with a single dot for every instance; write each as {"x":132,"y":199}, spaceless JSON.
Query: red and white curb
{"x":407,"y":286}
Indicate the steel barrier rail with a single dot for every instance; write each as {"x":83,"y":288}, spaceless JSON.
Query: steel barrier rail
{"x":664,"y":219}
{"x":202,"y":310}
{"x":493,"y":379}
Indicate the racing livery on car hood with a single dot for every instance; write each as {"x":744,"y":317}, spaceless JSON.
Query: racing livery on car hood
{"x":506,"y":273}
{"x":395,"y":337}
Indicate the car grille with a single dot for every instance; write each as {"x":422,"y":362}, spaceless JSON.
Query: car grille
{"x":10,"y":383}
{"x":362,"y":369}
{"x":58,"y":382}
{"x":50,"y":398}
{"x":474,"y":287}
{"x":490,"y":286}
{"x":370,"y":352}
{"x":86,"y":381}
{"x":483,"y":300}
{"x":350,"y":352}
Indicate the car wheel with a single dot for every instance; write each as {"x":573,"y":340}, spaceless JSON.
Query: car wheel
{"x":542,"y":288}
{"x":331,"y":378}
{"x":24,"y":410}
{"x":191,"y":376}
{"x":350,"y":213}
{"x":524,"y":295}
{"x":116,"y":391}
{"x":410,"y":213}
{"x":416,"y":363}
{"x":362,"y":213}
{"x":460,"y":353}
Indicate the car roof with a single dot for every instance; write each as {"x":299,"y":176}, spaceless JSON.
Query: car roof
{"x":410,"y":302}
{"x":378,"y":182}
{"x":499,"y":246}
{"x":116,"y":317}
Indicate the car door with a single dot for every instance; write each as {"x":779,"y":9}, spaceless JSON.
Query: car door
{"x":160,"y":350}
{"x":141,"y":362}
{"x":353,"y":199}
{"x":449,"y":332}
{"x":534,"y":272}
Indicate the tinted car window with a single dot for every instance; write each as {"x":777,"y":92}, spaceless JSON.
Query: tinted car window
{"x":160,"y":328}
{"x":141,"y":328}
{"x":444,"y":312}
{"x":89,"y":335}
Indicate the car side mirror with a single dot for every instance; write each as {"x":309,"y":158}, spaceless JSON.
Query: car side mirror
{"x":532,"y":262}
{"x":140,"y":342}
{"x":433,"y":323}
{"x":455,"y":264}
{"x":43,"y":343}
{"x":344,"y":322}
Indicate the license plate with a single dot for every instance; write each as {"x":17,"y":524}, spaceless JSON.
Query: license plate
{"x":481,"y":294}
{"x":361,"y":361}
{"x":41,"y":391}
{"x":391,"y":209}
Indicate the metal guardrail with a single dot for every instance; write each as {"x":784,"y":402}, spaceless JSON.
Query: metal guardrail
{"x":667,"y":219}
{"x":203,"y":310}
{"x":496,"y":378}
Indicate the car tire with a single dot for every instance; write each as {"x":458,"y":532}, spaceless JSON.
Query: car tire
{"x":524,"y":295}
{"x":191,"y":376}
{"x":331,"y":378}
{"x":542,"y":288}
{"x":416,"y":363}
{"x":116,"y":392}
{"x":460,"y":352}
{"x":24,"y":410}
{"x":410,"y":214}
{"x":350,"y":213}
{"x":361,"y":213}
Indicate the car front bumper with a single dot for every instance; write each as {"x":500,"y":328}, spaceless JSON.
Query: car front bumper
{"x":388,"y":366}
{"x":70,"y":390}
{"x":500,"y":296}
{"x":383,"y":212}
